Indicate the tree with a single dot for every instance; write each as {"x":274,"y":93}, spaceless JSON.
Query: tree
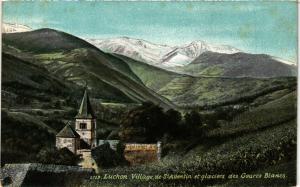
{"x":173,"y":122}
{"x":194,"y":124}
{"x":106,"y":157}
{"x":146,"y":123}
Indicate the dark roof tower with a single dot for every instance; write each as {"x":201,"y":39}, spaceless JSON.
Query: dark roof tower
{"x":68,"y":132}
{"x":85,"y":110}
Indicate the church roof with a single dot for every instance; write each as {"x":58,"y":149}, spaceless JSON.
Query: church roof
{"x":68,"y":132}
{"x":85,"y":110}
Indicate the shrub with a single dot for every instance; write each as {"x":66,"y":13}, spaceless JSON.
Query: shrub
{"x":105,"y":157}
{"x":53,"y":155}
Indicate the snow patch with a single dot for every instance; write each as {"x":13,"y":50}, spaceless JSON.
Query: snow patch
{"x":13,"y":27}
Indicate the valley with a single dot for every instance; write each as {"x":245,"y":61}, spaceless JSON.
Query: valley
{"x":246,"y":103}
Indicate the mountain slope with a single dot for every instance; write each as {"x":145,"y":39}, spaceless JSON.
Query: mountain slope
{"x":202,"y":91}
{"x":186,"y":91}
{"x":72,"y":59}
{"x":238,"y":65}
{"x":152,"y":76}
{"x":24,"y":79}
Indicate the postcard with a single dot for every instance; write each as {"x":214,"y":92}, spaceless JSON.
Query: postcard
{"x":149,"y":93}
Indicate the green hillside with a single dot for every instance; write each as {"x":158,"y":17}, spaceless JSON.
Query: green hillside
{"x":72,"y":59}
{"x":153,"y":77}
{"x":189,"y":91}
{"x":201,"y":91}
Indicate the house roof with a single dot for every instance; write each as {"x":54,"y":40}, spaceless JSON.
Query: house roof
{"x":68,"y":132}
{"x":85,"y":110}
{"x":34,"y":174}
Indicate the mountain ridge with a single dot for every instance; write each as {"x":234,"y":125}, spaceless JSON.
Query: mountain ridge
{"x":181,"y":59}
{"x":158,"y":54}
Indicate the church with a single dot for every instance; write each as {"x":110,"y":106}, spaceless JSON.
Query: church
{"x":84,"y":135}
{"x":83,"y":139}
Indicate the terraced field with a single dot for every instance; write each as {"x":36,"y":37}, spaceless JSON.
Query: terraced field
{"x":209,"y":91}
{"x":270,"y":114}
{"x":254,"y":140}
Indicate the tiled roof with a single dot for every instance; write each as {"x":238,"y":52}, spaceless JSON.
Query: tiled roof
{"x":68,"y":132}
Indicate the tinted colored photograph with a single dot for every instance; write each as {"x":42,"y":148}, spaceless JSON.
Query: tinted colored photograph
{"x":141,"y":93}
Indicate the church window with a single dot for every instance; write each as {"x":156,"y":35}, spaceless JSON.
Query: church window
{"x":82,"y":125}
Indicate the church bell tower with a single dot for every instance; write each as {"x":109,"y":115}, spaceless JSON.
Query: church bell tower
{"x":85,"y":123}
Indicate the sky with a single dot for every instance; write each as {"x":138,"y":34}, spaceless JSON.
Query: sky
{"x":254,"y":27}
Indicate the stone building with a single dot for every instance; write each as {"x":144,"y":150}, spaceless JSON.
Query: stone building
{"x":68,"y":138}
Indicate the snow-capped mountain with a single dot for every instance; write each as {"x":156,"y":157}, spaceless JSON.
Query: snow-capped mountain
{"x":156,"y":54}
{"x":140,"y":50}
{"x":13,"y":27}
{"x":185,"y":54}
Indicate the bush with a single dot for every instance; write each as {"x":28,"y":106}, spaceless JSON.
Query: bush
{"x":194,"y":125}
{"x":146,"y":123}
{"x":105,"y":157}
{"x":54,"y":156}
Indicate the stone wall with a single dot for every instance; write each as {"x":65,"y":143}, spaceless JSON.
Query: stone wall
{"x":142,"y":153}
{"x":71,"y":143}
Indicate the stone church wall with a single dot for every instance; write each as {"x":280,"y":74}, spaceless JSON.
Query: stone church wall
{"x":69,"y":143}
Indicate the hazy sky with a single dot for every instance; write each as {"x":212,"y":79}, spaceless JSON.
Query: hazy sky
{"x":255,"y":27}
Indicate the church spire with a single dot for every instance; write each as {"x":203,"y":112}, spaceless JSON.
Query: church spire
{"x":85,"y":110}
